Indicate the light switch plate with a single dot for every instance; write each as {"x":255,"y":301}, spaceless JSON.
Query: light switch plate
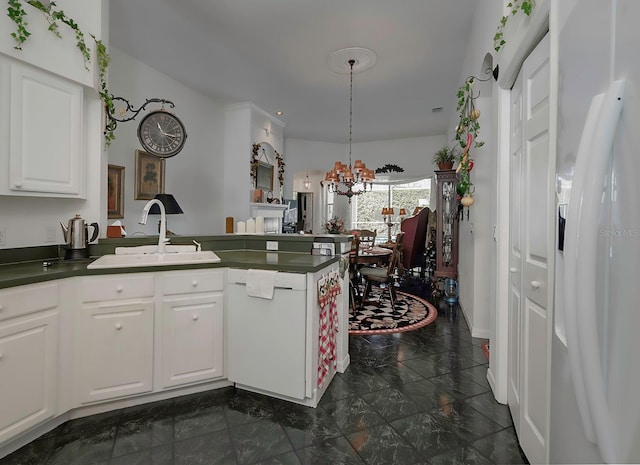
{"x":272,"y":245}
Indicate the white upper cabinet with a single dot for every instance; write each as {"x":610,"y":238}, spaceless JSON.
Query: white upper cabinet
{"x":45,"y":133}
{"x":48,"y":119}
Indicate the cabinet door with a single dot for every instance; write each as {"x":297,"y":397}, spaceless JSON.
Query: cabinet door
{"x":45,"y":134}
{"x":115,"y":350}
{"x":28,"y":367}
{"x":192,"y":339}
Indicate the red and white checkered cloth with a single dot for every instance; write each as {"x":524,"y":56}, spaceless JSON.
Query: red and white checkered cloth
{"x":328,"y":290}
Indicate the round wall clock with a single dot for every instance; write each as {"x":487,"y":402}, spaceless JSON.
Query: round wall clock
{"x":162,"y":134}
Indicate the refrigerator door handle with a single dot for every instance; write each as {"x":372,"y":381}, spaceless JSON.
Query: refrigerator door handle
{"x":599,"y":154}
{"x":571,"y":253}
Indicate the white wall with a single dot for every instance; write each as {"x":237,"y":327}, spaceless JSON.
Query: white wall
{"x":318,"y":158}
{"x":477,"y":251}
{"x":194,"y":176}
{"x":246,"y":124}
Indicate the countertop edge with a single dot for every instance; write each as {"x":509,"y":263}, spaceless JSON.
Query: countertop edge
{"x":23,"y":273}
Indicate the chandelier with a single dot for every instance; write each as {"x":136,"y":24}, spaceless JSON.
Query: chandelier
{"x":344,"y":179}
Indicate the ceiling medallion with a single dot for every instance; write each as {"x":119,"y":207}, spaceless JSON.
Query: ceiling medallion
{"x":363,"y":60}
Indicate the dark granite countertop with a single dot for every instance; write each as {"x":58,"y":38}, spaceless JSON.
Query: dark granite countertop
{"x":29,"y":272}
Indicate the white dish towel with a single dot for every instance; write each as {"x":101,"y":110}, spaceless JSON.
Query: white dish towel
{"x":260,"y":283}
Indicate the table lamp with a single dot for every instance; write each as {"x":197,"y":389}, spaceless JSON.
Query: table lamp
{"x":388,"y":212}
{"x":171,"y":207}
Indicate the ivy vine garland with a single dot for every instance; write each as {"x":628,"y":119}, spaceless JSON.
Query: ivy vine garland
{"x":516,"y":5}
{"x":17,"y":14}
{"x":467,"y":133}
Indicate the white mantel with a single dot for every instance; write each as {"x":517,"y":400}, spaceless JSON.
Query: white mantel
{"x":272,"y":214}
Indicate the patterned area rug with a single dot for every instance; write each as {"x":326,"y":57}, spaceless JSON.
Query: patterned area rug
{"x":377,"y":317}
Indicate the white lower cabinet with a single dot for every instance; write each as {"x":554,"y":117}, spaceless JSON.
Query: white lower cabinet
{"x":192,"y":339}
{"x":191,"y":345}
{"x":28,"y":367}
{"x":146,"y":332}
{"x":115,"y":350}
{"x":115,"y":330}
{"x":28,"y":357}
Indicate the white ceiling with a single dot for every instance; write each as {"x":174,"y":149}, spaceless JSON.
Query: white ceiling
{"x":274,"y":53}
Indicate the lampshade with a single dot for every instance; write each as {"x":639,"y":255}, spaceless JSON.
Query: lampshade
{"x":402,"y":212}
{"x":171,"y":206}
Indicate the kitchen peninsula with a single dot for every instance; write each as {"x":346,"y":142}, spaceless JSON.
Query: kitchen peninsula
{"x":76,"y":342}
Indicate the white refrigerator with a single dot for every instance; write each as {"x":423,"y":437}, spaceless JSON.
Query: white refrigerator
{"x":595,"y":365}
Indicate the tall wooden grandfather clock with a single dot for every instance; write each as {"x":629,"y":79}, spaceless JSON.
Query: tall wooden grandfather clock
{"x":446,"y":224}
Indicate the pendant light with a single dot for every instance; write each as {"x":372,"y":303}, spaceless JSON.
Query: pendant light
{"x":350,"y":180}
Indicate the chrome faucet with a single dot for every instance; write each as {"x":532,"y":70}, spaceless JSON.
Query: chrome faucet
{"x":162,"y":239}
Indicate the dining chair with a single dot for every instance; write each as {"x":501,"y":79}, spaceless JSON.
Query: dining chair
{"x":383,"y":274}
{"x":415,"y":230}
{"x":367,"y":237}
{"x":354,"y":277}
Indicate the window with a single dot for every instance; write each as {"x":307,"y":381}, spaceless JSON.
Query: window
{"x":366,"y":209}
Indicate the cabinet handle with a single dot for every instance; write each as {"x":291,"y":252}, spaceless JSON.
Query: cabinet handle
{"x":1,"y":356}
{"x":194,"y":317}
{"x":535,"y":284}
{"x":18,"y":185}
{"x":119,"y":289}
{"x":118,"y":326}
{"x":513,"y":269}
{"x":1,"y":307}
{"x":194,"y":283}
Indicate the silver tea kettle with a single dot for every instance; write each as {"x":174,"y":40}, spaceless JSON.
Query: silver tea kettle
{"x":76,"y":237}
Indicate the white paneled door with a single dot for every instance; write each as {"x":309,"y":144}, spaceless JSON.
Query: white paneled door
{"x":515,"y":252}
{"x":531,"y":247}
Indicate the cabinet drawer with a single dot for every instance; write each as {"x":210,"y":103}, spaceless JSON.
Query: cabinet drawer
{"x":116,"y":288}
{"x":189,"y":282}
{"x":28,"y":299}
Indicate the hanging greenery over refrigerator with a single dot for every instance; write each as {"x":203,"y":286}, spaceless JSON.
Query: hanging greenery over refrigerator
{"x":526,"y":6}
{"x":17,"y":14}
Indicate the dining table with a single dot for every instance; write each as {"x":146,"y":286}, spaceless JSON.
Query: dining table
{"x":373,"y":255}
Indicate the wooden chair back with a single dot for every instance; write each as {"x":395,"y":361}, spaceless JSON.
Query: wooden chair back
{"x":366,"y":237}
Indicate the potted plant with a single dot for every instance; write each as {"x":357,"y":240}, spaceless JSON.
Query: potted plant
{"x":335,"y":225}
{"x":445,"y":157}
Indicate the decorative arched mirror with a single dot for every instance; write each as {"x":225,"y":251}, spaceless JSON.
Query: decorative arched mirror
{"x":262,"y":168}
{"x":264,"y":161}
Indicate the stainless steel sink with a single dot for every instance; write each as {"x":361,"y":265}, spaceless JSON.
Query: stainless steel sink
{"x":154,"y":259}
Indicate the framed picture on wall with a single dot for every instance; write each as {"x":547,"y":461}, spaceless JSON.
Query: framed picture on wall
{"x":149,"y":176}
{"x":115,"y":191}
{"x":264,"y":176}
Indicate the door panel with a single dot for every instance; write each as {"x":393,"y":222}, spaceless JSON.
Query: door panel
{"x":530,"y":243}
{"x":534,"y":408}
{"x":515,"y":253}
{"x":514,"y":353}
{"x":537,"y":224}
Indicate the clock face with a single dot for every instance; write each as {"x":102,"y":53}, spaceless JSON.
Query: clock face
{"x":162,"y":134}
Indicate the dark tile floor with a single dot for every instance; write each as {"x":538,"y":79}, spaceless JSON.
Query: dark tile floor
{"x":419,"y":397}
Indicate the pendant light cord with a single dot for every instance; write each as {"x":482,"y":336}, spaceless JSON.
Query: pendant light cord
{"x":351,"y":63}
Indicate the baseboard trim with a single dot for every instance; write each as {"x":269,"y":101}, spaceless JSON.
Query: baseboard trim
{"x":481,"y":333}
